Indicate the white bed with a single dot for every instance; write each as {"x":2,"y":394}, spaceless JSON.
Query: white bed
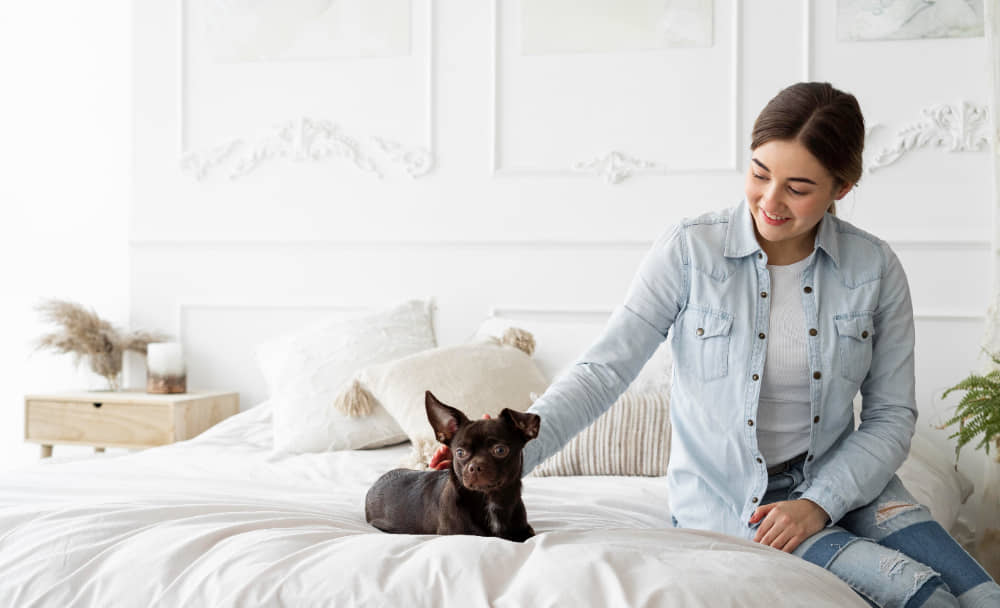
{"x":219,"y":521}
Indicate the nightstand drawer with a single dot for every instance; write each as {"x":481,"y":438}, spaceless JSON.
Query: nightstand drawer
{"x":99,"y":423}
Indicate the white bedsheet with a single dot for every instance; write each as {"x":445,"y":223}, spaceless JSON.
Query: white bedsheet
{"x":217,"y":521}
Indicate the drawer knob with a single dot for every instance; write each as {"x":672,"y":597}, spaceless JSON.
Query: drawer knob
{"x":98,"y":404}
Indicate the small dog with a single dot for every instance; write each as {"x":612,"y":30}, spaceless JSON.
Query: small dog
{"x":479,"y":494}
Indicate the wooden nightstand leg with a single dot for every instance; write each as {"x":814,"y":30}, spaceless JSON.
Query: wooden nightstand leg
{"x":46,"y":451}
{"x":98,"y":450}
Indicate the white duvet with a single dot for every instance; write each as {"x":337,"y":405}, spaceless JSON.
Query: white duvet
{"x":217,"y":521}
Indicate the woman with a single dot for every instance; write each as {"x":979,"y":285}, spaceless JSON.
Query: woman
{"x":781,"y":313}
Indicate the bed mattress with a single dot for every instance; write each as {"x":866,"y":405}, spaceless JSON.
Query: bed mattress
{"x":220,"y":521}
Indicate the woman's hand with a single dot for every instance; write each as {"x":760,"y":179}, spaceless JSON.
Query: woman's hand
{"x":787,"y":523}
{"x":441,"y":459}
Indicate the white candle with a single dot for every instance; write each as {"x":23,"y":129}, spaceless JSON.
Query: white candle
{"x":165,"y":359}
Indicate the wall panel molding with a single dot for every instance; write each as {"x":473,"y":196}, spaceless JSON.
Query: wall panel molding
{"x":305,"y":138}
{"x":615,"y":166}
{"x":933,"y":244}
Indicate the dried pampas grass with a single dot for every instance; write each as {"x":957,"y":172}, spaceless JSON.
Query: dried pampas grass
{"x":85,"y":335}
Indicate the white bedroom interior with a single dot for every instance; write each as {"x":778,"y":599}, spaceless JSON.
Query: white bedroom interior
{"x":478,"y":153}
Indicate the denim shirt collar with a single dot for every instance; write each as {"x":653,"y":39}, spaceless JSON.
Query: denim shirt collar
{"x":741,"y":238}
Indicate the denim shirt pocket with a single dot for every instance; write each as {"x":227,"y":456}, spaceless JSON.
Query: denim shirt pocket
{"x":711,"y":329}
{"x":854,"y":340}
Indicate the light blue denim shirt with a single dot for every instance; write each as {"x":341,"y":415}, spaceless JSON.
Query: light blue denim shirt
{"x":707,"y":280}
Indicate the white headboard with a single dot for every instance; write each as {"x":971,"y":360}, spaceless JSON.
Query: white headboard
{"x":220,"y":299}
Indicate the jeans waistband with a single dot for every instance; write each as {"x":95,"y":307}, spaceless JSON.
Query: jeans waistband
{"x":784,"y":466}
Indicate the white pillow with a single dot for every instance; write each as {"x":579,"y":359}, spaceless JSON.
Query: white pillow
{"x":562,"y":342}
{"x":306,"y":369}
{"x":482,"y":377}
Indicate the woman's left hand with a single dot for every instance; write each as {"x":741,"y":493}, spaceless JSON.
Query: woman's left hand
{"x":787,"y":523}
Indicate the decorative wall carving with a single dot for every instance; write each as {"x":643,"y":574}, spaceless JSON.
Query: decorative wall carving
{"x":614,"y":166}
{"x":416,"y":161}
{"x":300,"y":140}
{"x":309,"y":139}
{"x":958,"y":128}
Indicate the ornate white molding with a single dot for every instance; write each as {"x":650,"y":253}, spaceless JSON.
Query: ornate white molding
{"x":301,"y":140}
{"x":416,"y":161}
{"x":735,"y":154}
{"x":304,"y":139}
{"x":614,"y":166}
{"x":958,"y":128}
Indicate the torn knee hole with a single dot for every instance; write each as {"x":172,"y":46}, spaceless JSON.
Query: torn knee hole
{"x":892,"y":508}
{"x":892,"y":565}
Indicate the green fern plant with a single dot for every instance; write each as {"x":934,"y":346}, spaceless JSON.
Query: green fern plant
{"x":978,"y":413}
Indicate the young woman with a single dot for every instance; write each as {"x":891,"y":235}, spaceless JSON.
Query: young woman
{"x":781,"y":312}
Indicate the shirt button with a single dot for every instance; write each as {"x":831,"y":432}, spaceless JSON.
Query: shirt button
{"x":807,"y":289}
{"x":761,"y":335}
{"x":763,"y":294}
{"x":750,"y":422}
{"x":817,"y":375}
{"x":760,"y":460}
{"x":864,"y":334}
{"x":816,"y":419}
{"x":760,"y":255}
{"x":813,"y":332}
{"x":754,"y":499}
{"x":809,"y":458}
{"x":755,"y":377}
{"x":700,"y":331}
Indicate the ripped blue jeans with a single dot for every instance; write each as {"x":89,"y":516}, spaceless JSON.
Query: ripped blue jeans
{"x":891,"y":552}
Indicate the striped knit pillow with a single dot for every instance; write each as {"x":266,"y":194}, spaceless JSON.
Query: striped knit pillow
{"x":631,"y":438}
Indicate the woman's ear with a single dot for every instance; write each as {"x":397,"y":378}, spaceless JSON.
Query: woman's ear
{"x":841,"y":191}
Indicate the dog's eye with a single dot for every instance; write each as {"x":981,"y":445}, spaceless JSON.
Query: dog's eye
{"x":460,"y":453}
{"x":500,"y":451}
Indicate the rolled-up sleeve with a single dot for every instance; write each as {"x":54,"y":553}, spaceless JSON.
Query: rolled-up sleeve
{"x":633,"y":332}
{"x":856,"y":471}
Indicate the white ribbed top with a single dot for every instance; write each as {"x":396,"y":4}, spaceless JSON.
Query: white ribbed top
{"x":783,"y":416}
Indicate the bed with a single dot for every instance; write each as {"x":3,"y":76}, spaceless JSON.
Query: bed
{"x":220,"y":521}
{"x":225,"y":519}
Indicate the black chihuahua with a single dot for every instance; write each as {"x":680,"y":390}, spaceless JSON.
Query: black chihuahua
{"x":479,"y":494}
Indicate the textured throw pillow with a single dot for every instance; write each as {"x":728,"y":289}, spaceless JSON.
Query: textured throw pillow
{"x":306,"y":370}
{"x":631,"y":438}
{"x":478,"y":378}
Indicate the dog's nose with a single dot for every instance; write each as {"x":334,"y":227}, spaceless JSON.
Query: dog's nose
{"x":475,"y":467}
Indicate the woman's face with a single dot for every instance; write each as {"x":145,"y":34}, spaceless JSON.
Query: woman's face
{"x":788,"y":191}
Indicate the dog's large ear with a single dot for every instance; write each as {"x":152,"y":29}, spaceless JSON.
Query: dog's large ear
{"x":524,"y":422}
{"x":445,"y":419}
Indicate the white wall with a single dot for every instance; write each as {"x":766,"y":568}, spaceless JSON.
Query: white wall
{"x":500,"y":220}
{"x":65,"y":156}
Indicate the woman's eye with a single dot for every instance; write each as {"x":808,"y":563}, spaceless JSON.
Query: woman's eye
{"x":760,"y":177}
{"x":794,"y":191}
{"x":500,"y":451}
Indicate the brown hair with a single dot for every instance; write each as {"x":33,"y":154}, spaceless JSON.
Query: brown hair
{"x":827,"y":121}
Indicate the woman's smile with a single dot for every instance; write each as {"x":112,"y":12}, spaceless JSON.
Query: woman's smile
{"x":774,"y":220}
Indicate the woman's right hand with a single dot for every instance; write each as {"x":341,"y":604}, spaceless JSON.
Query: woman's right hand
{"x":441,"y":459}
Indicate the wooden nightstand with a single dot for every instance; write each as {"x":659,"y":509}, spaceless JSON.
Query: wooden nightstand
{"x":123,"y":419}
